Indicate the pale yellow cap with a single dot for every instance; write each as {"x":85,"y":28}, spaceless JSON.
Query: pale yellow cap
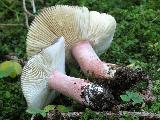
{"x":74,"y":24}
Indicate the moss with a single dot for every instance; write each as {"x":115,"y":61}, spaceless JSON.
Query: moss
{"x":136,"y":38}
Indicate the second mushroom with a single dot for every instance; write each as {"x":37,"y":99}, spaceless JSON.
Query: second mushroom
{"x":44,"y":75}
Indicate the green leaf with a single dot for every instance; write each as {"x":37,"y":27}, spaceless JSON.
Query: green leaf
{"x":6,"y":68}
{"x":62,"y":108}
{"x":135,"y":97}
{"x":17,"y":67}
{"x":10,"y":68}
{"x":3,"y":74}
{"x":125,"y":98}
{"x":49,"y":107}
{"x":34,"y":111}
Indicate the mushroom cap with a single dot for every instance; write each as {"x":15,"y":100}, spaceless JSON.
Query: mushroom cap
{"x":35,"y":74}
{"x":74,"y":24}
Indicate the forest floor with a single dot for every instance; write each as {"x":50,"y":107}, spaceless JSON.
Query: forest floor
{"x":136,"y":43}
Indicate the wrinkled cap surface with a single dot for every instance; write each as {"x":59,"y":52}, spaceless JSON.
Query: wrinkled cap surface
{"x":34,"y":79}
{"x":74,"y":24}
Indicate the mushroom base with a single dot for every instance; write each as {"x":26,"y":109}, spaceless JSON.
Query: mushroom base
{"x":84,"y":92}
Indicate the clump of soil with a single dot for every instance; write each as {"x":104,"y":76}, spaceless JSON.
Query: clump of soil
{"x":97,"y":97}
{"x":123,"y":79}
{"x":55,"y":115}
{"x":38,"y":117}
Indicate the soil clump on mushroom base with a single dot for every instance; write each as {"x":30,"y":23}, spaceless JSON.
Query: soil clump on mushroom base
{"x":123,"y":80}
{"x":98,"y":99}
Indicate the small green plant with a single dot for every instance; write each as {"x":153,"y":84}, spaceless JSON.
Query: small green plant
{"x":135,"y":64}
{"x":48,"y":108}
{"x":156,"y":88}
{"x":89,"y":114}
{"x":35,"y":111}
{"x":154,"y":107}
{"x":132,"y":96}
{"x":129,"y":117}
{"x":62,"y":108}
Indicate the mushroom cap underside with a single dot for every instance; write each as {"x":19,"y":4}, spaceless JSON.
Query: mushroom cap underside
{"x":74,"y":24}
{"x":34,"y":78}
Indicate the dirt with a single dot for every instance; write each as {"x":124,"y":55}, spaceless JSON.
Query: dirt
{"x":38,"y":117}
{"x":55,"y":115}
{"x":123,"y":79}
{"x":107,"y":98}
{"x":97,"y":97}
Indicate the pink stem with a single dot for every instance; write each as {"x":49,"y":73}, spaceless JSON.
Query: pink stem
{"x":80,"y":90}
{"x":90,"y":62}
{"x":67,"y":85}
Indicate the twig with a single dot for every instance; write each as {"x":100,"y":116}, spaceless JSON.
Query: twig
{"x":27,"y":13}
{"x":111,"y":114}
{"x":25,"y":9}
{"x":26,"y":22}
{"x":33,"y":6}
{"x":12,"y":56}
{"x":154,"y":19}
{"x":147,"y":94}
{"x":121,"y":107}
{"x":10,"y":25}
{"x":69,"y":115}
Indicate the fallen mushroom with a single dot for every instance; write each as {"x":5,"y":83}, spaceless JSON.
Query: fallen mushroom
{"x":84,"y":92}
{"x":75,"y":24}
{"x":44,"y":74}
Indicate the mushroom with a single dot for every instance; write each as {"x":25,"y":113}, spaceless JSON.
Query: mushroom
{"x":85,"y":31}
{"x":44,"y":74}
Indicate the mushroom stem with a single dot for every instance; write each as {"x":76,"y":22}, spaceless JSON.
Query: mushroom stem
{"x":67,"y":85}
{"x":90,"y":62}
{"x":82,"y":91}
